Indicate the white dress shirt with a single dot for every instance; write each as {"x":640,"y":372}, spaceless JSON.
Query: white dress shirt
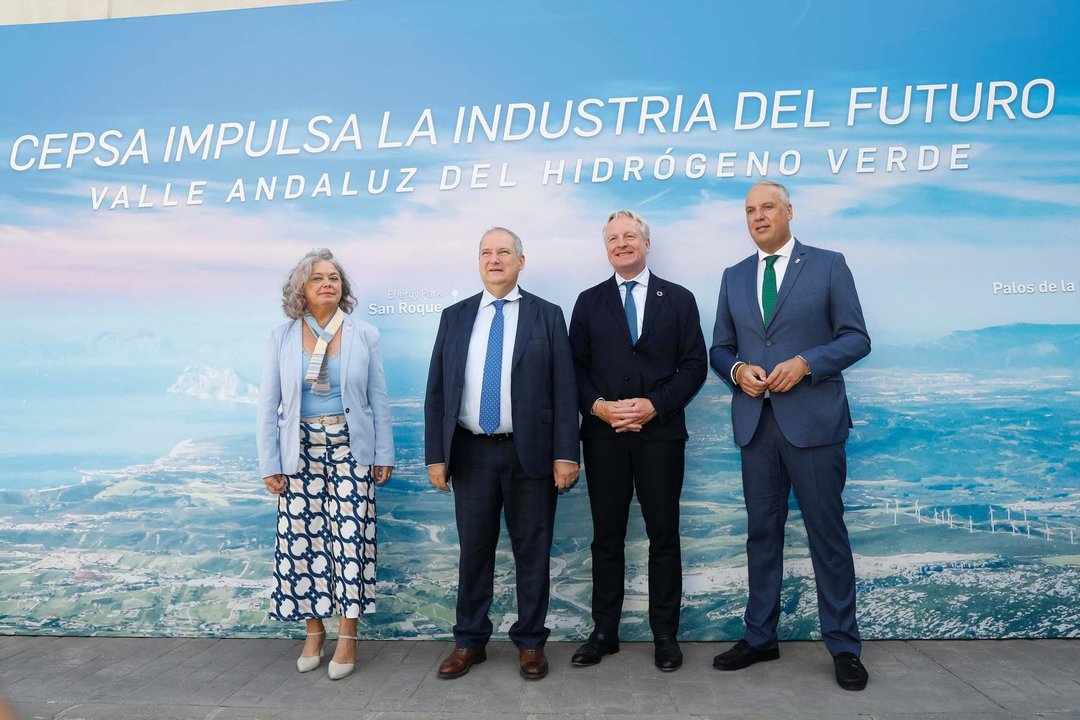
{"x":469,"y":415}
{"x":641,"y":294}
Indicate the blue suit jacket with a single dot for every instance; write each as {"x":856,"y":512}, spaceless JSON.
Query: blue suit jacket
{"x":816,"y":315}
{"x":363,"y":392}
{"x":667,"y":364}
{"x":543,"y":397}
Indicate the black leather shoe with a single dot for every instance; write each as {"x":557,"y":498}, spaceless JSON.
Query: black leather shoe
{"x":668,"y":655}
{"x":743,"y":655}
{"x":850,"y":672}
{"x":596,"y":647}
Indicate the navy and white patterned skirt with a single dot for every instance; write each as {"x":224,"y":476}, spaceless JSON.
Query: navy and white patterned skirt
{"x":324,"y":564}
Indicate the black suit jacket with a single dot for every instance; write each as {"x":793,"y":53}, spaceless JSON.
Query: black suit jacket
{"x":543,"y":398}
{"x":667,"y":364}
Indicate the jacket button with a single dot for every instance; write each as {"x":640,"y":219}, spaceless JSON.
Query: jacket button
{"x":626,"y":378}
{"x":768,"y":343}
{"x":346,"y":409}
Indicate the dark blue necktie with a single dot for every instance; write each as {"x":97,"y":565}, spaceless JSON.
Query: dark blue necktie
{"x":491,"y":388}
{"x":631,"y":309}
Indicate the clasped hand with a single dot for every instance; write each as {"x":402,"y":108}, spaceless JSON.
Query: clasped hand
{"x":628,"y":415}
{"x":753,"y":380}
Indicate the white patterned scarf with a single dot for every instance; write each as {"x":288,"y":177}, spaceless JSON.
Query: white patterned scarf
{"x":318,"y":372}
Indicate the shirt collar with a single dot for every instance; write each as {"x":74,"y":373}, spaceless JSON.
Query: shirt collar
{"x":642,"y":278}
{"x":487,"y":298}
{"x":785,"y":251}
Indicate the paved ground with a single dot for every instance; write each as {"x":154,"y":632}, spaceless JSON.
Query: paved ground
{"x":181,"y":679}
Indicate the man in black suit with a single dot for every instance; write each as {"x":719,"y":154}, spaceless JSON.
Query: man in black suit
{"x":501,"y":426}
{"x":640,"y":357}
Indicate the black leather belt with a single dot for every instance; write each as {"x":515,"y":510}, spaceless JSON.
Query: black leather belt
{"x":486,"y":436}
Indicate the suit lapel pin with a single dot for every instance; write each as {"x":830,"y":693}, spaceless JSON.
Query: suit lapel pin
{"x":659,"y":293}
{"x":798,"y":260}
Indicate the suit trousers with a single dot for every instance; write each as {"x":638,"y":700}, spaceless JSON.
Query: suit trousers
{"x":488,"y":479}
{"x":614,"y":469}
{"x":771,"y":467}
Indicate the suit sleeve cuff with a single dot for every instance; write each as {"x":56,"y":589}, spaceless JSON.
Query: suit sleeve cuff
{"x":735,"y":372}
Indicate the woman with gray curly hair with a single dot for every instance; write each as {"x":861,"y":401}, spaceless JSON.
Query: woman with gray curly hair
{"x":325,"y":440}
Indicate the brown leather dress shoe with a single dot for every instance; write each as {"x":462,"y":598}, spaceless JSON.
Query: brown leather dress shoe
{"x":459,"y":661}
{"x":534,"y":664}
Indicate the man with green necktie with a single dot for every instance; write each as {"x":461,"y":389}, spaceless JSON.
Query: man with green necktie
{"x":788,"y":322}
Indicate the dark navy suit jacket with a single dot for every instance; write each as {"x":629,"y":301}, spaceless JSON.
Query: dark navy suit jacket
{"x":667,"y":364}
{"x":816,"y":315}
{"x":542,"y":393}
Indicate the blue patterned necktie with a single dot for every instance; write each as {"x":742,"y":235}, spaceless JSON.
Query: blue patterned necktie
{"x":768,"y":288}
{"x":631,"y":309}
{"x":491,"y":388}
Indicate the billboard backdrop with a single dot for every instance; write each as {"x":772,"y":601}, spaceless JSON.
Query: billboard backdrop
{"x":159,"y":177}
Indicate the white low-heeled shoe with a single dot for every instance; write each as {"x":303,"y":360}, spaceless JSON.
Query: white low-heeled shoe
{"x":336,"y":670}
{"x":306,"y":663}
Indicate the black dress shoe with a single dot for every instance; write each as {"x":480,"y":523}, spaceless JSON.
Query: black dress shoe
{"x":850,"y":672}
{"x":742,"y":655}
{"x":596,"y":647}
{"x":668,"y":655}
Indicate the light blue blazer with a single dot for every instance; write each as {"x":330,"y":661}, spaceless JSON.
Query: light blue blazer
{"x":363,"y":392}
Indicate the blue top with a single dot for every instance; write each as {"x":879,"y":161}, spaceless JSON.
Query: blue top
{"x":312,"y":405}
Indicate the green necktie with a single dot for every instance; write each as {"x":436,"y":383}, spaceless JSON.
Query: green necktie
{"x":768,"y":288}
